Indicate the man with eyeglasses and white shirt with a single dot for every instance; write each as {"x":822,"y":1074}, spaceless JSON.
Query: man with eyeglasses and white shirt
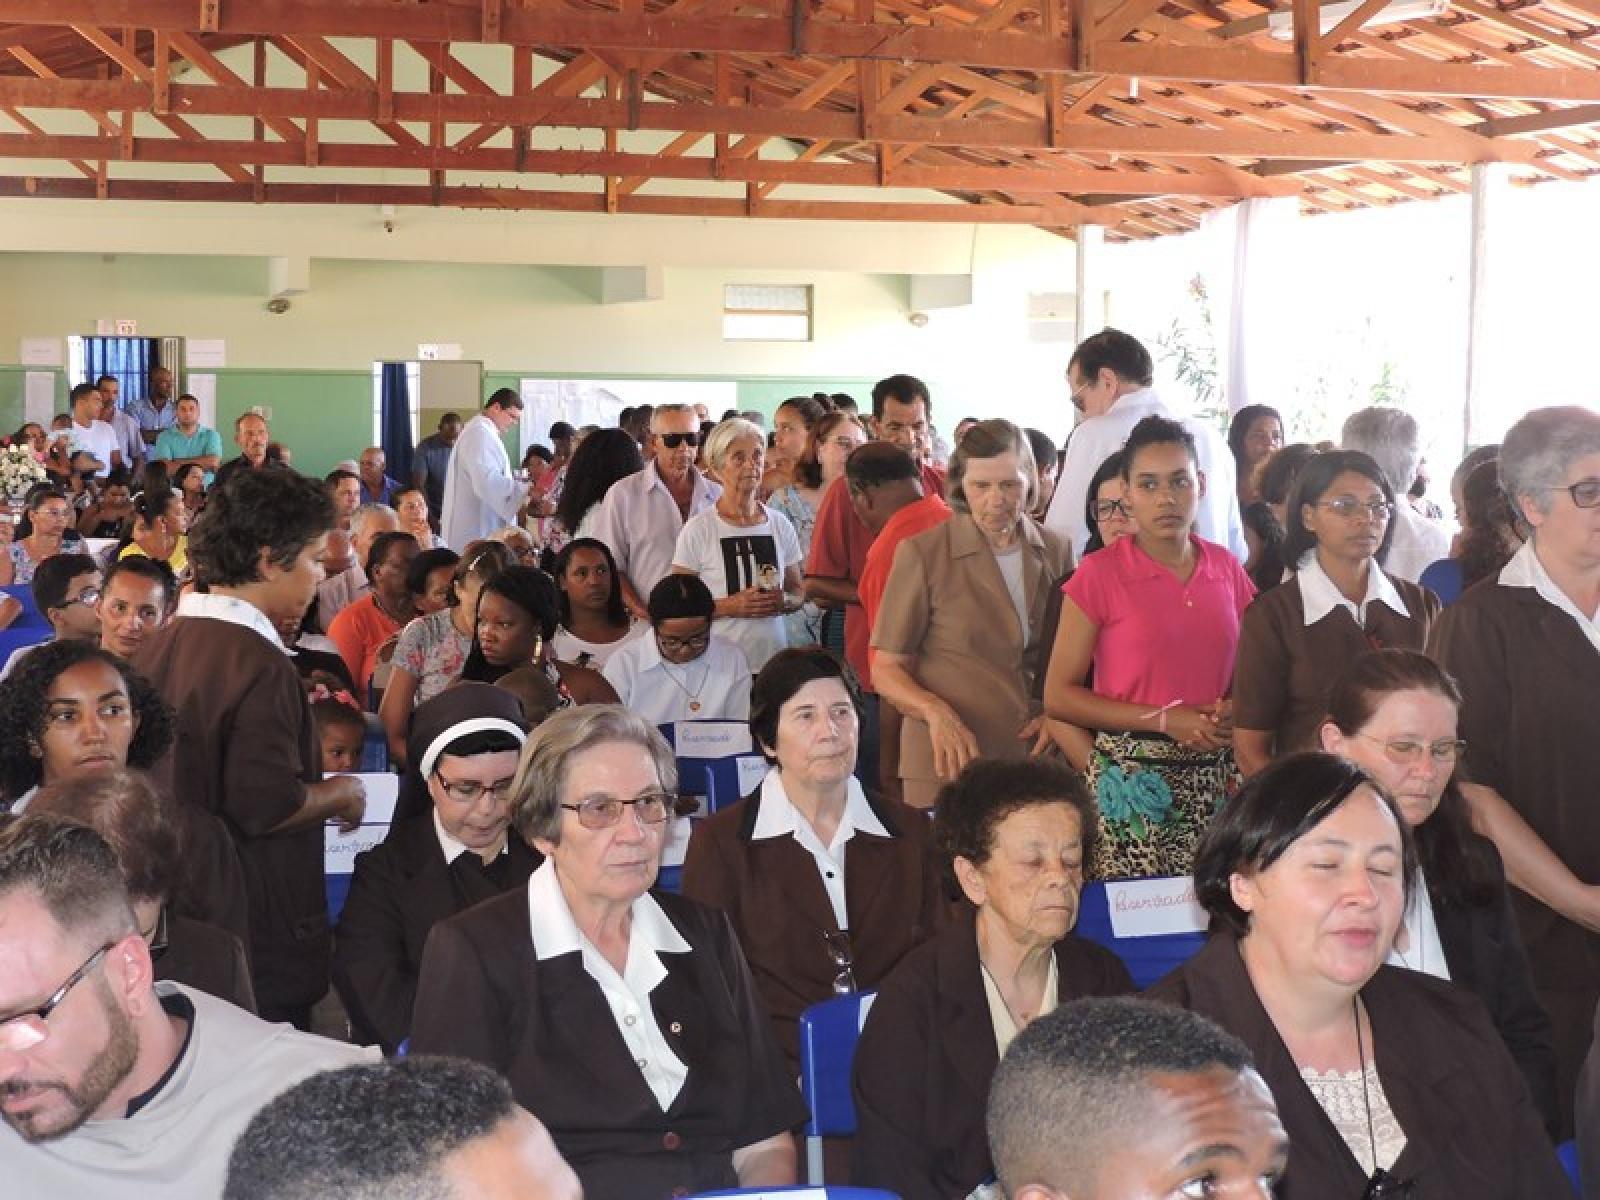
{"x":112,"y":1084}
{"x":641,"y":516}
{"x":1111,"y":376}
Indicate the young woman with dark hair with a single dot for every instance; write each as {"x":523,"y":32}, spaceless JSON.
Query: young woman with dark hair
{"x":518,"y":613}
{"x":1255,"y":434}
{"x":432,"y":650}
{"x":1155,"y":617}
{"x":594,"y":621}
{"x":1339,"y":604}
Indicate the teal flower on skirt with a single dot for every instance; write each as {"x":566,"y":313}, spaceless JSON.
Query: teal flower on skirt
{"x":1140,"y":800}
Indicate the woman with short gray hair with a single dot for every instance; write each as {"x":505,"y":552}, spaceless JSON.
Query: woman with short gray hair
{"x":626,"y":1020}
{"x":1525,"y":648}
{"x":959,"y":634}
{"x":747,"y":554}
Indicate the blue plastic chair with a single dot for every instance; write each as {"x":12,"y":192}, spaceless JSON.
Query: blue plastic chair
{"x":830,"y":1193}
{"x":828,"y":1035}
{"x":1567,"y":1152}
{"x":1147,"y":958}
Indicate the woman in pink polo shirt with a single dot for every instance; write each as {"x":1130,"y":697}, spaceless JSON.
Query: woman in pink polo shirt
{"x":1156,"y":616}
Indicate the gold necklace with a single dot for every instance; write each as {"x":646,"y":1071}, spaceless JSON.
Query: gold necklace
{"x":694,"y":696}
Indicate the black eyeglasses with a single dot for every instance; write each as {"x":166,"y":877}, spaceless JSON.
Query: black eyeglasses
{"x":673,"y":440}
{"x":25,"y":1030}
{"x":1104,"y":510}
{"x":468,"y":790}
{"x":1585,"y":493}
{"x":838,"y":946}
{"x":696,"y":641}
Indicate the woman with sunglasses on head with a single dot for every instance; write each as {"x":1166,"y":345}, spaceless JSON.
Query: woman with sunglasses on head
{"x":685,"y":670}
{"x":624,"y":1018}
{"x":432,"y":650}
{"x":1339,"y":604}
{"x":50,"y":522}
{"x":1389,"y":1083}
{"x":461,"y":852}
{"x":594,"y":622}
{"x":518,"y":611}
{"x":1393,"y":713}
{"x":826,"y":888}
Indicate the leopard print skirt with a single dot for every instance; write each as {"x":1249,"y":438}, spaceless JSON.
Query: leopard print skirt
{"x":1154,"y":798}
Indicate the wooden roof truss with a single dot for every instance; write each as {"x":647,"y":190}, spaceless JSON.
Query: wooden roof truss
{"x":1139,"y":115}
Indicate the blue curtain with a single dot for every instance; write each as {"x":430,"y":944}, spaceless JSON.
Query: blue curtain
{"x":395,"y":421}
{"x":127,"y":359}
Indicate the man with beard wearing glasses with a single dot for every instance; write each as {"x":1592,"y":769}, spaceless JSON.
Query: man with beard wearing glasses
{"x":112,"y":1084}
{"x":641,"y":516}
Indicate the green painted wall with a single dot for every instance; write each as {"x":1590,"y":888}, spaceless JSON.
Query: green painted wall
{"x":323,"y":416}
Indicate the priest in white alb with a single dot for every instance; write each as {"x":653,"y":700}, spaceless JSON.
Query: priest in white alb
{"x":480,"y":492}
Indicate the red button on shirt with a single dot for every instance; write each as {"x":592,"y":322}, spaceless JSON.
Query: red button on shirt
{"x":671,"y":1141}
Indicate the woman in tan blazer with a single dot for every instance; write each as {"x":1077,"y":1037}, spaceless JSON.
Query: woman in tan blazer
{"x":956,"y":643}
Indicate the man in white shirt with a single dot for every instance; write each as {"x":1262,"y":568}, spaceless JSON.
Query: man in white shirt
{"x":480,"y":493}
{"x":641,"y":516}
{"x":1390,"y":437}
{"x":129,"y":441}
{"x":1110,"y":375}
{"x":89,"y":433}
{"x":112,"y":1084}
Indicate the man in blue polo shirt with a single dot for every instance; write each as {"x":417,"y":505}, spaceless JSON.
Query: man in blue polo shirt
{"x":154,"y":412}
{"x":187,"y":441}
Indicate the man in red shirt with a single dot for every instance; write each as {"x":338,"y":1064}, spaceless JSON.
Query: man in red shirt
{"x":886,"y":490}
{"x":901,"y":413}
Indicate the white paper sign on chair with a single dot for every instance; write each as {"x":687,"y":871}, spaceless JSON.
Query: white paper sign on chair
{"x":1150,"y":907}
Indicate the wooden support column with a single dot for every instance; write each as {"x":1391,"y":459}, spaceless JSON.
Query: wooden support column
{"x":313,"y":74}
{"x":1489,"y":184}
{"x":162,"y":102}
{"x":1089,"y":299}
{"x":258,"y":77}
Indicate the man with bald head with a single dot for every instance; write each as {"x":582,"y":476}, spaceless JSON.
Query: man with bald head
{"x":344,"y":563}
{"x":1126,"y":1099}
{"x":420,"y":1128}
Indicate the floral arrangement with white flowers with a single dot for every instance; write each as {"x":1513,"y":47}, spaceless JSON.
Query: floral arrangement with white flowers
{"x":20,"y":469}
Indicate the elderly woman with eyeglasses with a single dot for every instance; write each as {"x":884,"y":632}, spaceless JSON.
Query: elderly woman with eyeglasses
{"x":1339,"y":604}
{"x":1394,"y":714}
{"x":827,"y":888}
{"x":625,"y":1019}
{"x":1389,"y":1082}
{"x":1525,"y":648}
{"x":430,"y":867}
{"x":1014,"y":834}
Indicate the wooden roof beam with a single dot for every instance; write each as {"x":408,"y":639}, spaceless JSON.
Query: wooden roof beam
{"x":558,"y":25}
{"x":1036,"y":179}
{"x":588,"y":113}
{"x":513,"y":199}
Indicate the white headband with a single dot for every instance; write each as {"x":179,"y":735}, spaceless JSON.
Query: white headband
{"x":462,"y":729}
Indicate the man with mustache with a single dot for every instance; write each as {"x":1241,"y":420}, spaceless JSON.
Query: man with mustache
{"x":112,"y":1084}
